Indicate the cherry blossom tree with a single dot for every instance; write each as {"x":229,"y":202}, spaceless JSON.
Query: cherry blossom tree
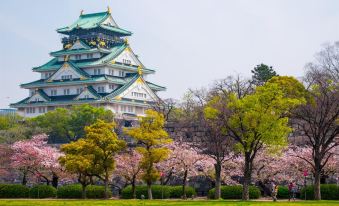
{"x":186,"y":161}
{"x":128,"y":167}
{"x":35,"y":157}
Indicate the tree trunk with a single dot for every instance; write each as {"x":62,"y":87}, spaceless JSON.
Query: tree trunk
{"x":106,"y":183}
{"x":133,"y":188}
{"x":149,"y":190}
{"x":247,"y":177}
{"x":24,"y":178}
{"x":217,"y":167}
{"x":184,"y":196}
{"x":317,"y":175}
{"x":55,"y":180}
{"x":83,"y":191}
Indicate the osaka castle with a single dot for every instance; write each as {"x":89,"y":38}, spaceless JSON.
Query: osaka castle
{"x":95,"y":66}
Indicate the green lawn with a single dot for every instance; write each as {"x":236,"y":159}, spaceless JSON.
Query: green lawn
{"x":156,"y":203}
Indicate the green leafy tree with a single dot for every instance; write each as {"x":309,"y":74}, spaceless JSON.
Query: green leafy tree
{"x":152,"y":137}
{"x":9,"y":121}
{"x":85,"y":115}
{"x":103,"y":143}
{"x":257,"y":121}
{"x":63,"y":125}
{"x":96,"y":150}
{"x":262,"y":73}
{"x":56,"y":124}
{"x":77,"y":161}
{"x":14,"y":128}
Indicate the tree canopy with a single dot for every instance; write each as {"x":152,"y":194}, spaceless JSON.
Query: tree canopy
{"x":262,"y":73}
{"x":152,"y":138}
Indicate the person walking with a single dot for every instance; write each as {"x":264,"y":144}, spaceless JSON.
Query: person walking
{"x":274,"y":191}
{"x":292,"y":190}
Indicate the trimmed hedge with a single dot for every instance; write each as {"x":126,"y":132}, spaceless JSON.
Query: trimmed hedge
{"x":42,"y":191}
{"x":328,"y":192}
{"x":70,"y":191}
{"x":97,"y":192}
{"x":13,"y":191}
{"x":235,"y":192}
{"x":157,"y":191}
{"x":283,"y":192}
{"x":75,"y":191}
{"x":176,"y":192}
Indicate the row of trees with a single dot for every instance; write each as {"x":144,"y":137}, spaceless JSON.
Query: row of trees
{"x":246,"y":123}
{"x":247,"y":117}
{"x":92,"y":157}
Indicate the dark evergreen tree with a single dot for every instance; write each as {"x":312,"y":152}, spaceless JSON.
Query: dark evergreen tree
{"x":262,"y":73}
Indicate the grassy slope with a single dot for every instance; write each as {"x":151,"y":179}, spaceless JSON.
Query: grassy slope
{"x":155,"y":203}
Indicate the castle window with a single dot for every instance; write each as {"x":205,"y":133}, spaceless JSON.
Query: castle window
{"x":66,"y":92}
{"x":66,"y":77}
{"x":123,"y":108}
{"x":42,"y":110}
{"x":78,"y":56}
{"x":79,"y":90}
{"x":89,"y":56}
{"x":111,"y":86}
{"x":30,"y":110}
{"x":53,"y":92}
{"x":121,"y":73}
{"x":101,"y":89}
{"x":86,"y":96}
{"x":139,"y":95}
{"x":130,"y":109}
{"x":97,"y":71}
{"x":126,"y":61}
{"x":111,"y":72}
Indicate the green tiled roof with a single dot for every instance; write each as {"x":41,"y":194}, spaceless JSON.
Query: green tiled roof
{"x":44,"y":95}
{"x":91,"y":21}
{"x":94,"y":79}
{"x":93,"y":91}
{"x":77,"y":69}
{"x":123,"y":88}
{"x":54,"y":64}
{"x":78,"y":51}
{"x":155,"y":86}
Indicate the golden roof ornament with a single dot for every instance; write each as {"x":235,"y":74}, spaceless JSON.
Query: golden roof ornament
{"x":126,"y":41}
{"x":81,"y":12}
{"x":66,"y":58}
{"x":108,"y":10}
{"x":139,"y":70}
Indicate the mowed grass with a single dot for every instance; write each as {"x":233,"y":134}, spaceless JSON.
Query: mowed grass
{"x":158,"y":203}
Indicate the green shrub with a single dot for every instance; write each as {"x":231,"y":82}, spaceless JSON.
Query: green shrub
{"x":75,"y":191}
{"x":13,"y":191}
{"x":176,"y":192}
{"x":328,"y":192}
{"x":97,"y":192}
{"x":235,"y":192}
{"x":42,"y":191}
{"x":158,"y":192}
{"x":283,"y":192}
{"x":70,"y":191}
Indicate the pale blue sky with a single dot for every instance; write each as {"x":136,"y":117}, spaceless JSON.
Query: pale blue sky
{"x":189,"y":42}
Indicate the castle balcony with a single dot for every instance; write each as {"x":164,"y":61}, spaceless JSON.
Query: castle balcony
{"x":92,"y":36}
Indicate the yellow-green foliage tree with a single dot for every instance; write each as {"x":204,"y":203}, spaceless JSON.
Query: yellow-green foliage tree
{"x":93,"y":155}
{"x":103,"y":144}
{"x":258,"y":120}
{"x":152,"y":137}
{"x":78,"y":162}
